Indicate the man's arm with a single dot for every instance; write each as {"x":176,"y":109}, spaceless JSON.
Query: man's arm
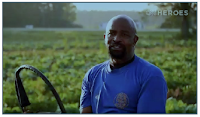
{"x":85,"y":99}
{"x":153,"y":96}
{"x":86,"y":110}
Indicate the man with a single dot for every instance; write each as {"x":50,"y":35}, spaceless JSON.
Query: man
{"x":126,"y":83}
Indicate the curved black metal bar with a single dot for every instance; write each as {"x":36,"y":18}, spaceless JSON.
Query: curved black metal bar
{"x":21,"y":94}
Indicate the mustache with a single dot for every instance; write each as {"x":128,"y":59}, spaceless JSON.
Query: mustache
{"x":116,"y":44}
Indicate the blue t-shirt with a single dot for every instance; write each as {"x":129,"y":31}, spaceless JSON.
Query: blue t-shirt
{"x":138,"y":87}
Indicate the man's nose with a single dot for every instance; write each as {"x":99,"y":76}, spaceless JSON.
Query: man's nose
{"x":117,"y":38}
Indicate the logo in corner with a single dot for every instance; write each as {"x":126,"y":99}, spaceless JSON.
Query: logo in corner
{"x":121,"y":101}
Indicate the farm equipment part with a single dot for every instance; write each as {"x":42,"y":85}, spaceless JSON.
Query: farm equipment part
{"x":21,"y":93}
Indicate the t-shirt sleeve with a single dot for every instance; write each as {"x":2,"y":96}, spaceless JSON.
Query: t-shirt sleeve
{"x":85,"y":99}
{"x":153,"y":95}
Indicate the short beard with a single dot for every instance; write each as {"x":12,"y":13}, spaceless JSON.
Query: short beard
{"x":117,"y":55}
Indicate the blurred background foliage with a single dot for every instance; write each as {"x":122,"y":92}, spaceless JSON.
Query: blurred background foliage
{"x":65,"y":56}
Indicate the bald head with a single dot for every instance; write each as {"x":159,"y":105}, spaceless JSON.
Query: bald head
{"x":122,"y":18}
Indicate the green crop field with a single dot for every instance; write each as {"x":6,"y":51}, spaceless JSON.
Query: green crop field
{"x":65,"y":57}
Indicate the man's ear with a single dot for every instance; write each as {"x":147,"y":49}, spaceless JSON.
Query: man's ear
{"x":104,"y":35}
{"x":135,"y":39}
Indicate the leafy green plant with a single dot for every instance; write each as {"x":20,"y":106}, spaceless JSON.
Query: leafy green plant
{"x":65,"y":57}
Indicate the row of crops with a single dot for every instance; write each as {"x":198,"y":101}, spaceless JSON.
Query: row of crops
{"x":65,"y":57}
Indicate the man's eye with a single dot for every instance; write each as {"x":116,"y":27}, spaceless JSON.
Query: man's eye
{"x":111,"y":33}
{"x":125,"y":34}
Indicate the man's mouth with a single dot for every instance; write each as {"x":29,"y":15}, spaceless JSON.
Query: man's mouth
{"x":117,"y":47}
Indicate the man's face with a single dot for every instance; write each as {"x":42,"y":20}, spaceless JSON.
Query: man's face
{"x":120,"y":38}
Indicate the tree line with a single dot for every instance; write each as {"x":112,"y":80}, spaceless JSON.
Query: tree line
{"x":184,"y":22}
{"x":39,"y":15}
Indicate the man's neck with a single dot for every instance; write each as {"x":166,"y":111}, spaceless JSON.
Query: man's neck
{"x":118,"y":63}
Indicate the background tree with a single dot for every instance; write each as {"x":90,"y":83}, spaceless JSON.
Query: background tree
{"x":184,"y":22}
{"x":39,"y":14}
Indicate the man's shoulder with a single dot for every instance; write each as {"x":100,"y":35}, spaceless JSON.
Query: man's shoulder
{"x":149,"y":68}
{"x":97,"y":68}
{"x":148,"y":71}
{"x":100,"y":65}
